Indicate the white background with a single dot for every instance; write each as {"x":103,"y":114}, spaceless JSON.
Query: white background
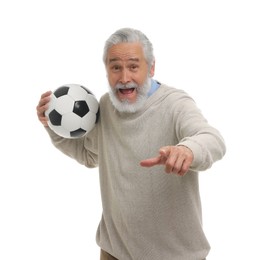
{"x":218,"y":51}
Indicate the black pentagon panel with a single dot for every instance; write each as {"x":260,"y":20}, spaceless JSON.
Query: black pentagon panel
{"x":80,"y":108}
{"x":55,"y":117}
{"x":61,"y":91}
{"x":77,"y":133}
{"x":87,"y":90}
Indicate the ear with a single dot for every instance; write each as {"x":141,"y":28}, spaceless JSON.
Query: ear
{"x":152,"y":70}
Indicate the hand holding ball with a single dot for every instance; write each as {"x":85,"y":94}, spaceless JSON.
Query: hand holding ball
{"x":73,"y":111}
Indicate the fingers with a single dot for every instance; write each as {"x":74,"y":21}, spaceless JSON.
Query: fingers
{"x":161,"y":159}
{"x":179,"y":160}
{"x":177,"y":165}
{"x":150,"y":162}
{"x":176,"y":159}
{"x":42,"y":107}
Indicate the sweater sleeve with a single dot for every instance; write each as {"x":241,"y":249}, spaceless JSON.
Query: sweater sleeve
{"x":84,"y":150}
{"x":194,"y":132}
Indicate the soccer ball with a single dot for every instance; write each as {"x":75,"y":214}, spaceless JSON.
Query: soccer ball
{"x":73,"y":111}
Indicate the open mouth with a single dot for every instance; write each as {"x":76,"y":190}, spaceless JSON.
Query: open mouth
{"x":126,"y":91}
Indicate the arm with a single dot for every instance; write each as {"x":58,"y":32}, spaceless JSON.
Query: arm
{"x":84,"y":150}
{"x":199,"y":146}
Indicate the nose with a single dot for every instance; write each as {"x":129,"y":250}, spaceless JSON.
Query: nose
{"x":125,"y":77}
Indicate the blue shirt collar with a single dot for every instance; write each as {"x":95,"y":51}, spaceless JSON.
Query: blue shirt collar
{"x":154,"y":86}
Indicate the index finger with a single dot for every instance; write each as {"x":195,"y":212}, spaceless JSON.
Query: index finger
{"x":151,"y":162}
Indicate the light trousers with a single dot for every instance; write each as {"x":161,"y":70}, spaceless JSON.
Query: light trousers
{"x":106,"y":256}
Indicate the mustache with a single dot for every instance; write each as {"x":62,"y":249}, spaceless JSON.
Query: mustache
{"x":126,"y":86}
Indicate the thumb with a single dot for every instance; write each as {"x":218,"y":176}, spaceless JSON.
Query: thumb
{"x":164,"y":151}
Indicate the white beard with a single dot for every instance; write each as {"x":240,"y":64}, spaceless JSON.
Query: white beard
{"x":124,"y":105}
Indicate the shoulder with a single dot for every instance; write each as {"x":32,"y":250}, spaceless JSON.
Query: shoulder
{"x":173,"y":93}
{"x":104,"y":100}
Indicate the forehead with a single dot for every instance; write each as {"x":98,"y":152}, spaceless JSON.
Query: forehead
{"x":125,"y":52}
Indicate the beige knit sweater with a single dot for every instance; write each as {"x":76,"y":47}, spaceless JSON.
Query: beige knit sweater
{"x":148,"y":214}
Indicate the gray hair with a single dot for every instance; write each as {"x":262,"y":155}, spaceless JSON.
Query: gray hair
{"x":130,"y":35}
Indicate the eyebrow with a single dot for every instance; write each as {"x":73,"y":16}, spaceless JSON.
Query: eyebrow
{"x":130,"y":59}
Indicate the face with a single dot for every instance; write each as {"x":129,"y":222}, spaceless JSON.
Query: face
{"x":128,"y":71}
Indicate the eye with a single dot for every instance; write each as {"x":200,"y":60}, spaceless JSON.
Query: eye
{"x":115,"y":68}
{"x":133,"y":67}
